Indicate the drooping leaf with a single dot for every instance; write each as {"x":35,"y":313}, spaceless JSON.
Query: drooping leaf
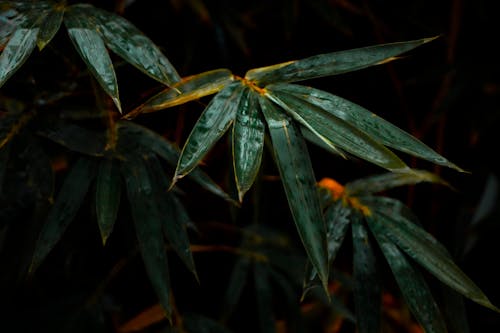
{"x":367,"y":287}
{"x":332,"y":63}
{"x":336,"y":132}
{"x":236,"y":284}
{"x":415,"y":290}
{"x":368,"y":122}
{"x":131,"y":134}
{"x":414,"y":242}
{"x":108,"y":194}
{"x":212,"y":124}
{"x":264,"y":297}
{"x":188,"y":89}
{"x":123,"y":38}
{"x":16,"y":52}
{"x":248,"y":142}
{"x":313,"y":138}
{"x":298,"y":179}
{"x":173,"y":227}
{"x":148,"y":225}
{"x":84,"y":34}
{"x":386,"y":181}
{"x":66,"y":206}
{"x":75,"y":138}
{"x":50,"y":25}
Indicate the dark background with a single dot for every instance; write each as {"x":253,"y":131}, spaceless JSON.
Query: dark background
{"x":446,"y":93}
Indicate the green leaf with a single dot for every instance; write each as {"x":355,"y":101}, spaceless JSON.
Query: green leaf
{"x":264,"y":297}
{"x":123,"y":38}
{"x":415,"y":290}
{"x":108,"y":193}
{"x":16,"y":52}
{"x":50,"y":25}
{"x":367,"y":287}
{"x":66,"y":206}
{"x":148,"y":225}
{"x":131,"y":135}
{"x":336,"y":132}
{"x":75,"y":138}
{"x":298,"y":179}
{"x":366,"y":121}
{"x":332,"y":63}
{"x":387,"y":181}
{"x":188,"y":89}
{"x":235,"y":285}
{"x":173,"y":225}
{"x":212,"y":124}
{"x":414,"y":241}
{"x":84,"y":34}
{"x":318,"y":141}
{"x":248,"y":142}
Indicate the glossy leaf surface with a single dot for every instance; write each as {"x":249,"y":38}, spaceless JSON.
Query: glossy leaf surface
{"x":108,"y":194}
{"x":298,"y":179}
{"x":248,"y":141}
{"x":66,"y":206}
{"x":366,"y":121}
{"x":332,"y":63}
{"x":50,"y":25}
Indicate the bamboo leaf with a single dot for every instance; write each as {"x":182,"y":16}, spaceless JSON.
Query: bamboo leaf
{"x":413,"y":241}
{"x":366,"y":121}
{"x":298,"y":179}
{"x":333,"y":63}
{"x":84,"y":34}
{"x":415,"y":290}
{"x":248,"y":142}
{"x":367,"y":288}
{"x":123,"y":38}
{"x":11,"y":124}
{"x":212,"y":124}
{"x":148,"y":225}
{"x":133,"y":136}
{"x":108,"y":193}
{"x":336,"y":132}
{"x":236,"y":284}
{"x":263,"y":294}
{"x":188,"y":89}
{"x":66,"y":206}
{"x":50,"y":25}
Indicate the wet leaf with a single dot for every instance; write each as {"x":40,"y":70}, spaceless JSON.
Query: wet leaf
{"x":123,"y":38}
{"x":367,"y":287}
{"x":313,"y":138}
{"x":66,"y":206}
{"x":212,"y":124}
{"x":414,"y":242}
{"x":368,"y":122}
{"x":248,"y":142}
{"x":336,"y":132}
{"x":84,"y":33}
{"x":264,"y":297}
{"x":50,"y":25}
{"x":298,"y":179}
{"x":108,"y":193}
{"x":148,"y":225}
{"x":415,"y":290}
{"x":188,"y":89}
{"x":332,"y":63}
{"x":386,"y":181}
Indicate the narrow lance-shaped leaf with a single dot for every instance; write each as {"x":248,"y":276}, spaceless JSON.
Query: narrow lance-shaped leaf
{"x":212,"y":124}
{"x":297,"y":175}
{"x":248,"y":142}
{"x":368,"y":122}
{"x":123,"y":38}
{"x":108,"y":193}
{"x":84,"y":34}
{"x":187,"y":89}
{"x":413,"y":241}
{"x":130,"y":134}
{"x":173,"y":227}
{"x":148,"y":225}
{"x":236,"y":284}
{"x":415,"y":290}
{"x":335,"y":131}
{"x":50,"y":25}
{"x":263,"y":294}
{"x":332,"y":63}
{"x":66,"y":206}
{"x":367,"y":288}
